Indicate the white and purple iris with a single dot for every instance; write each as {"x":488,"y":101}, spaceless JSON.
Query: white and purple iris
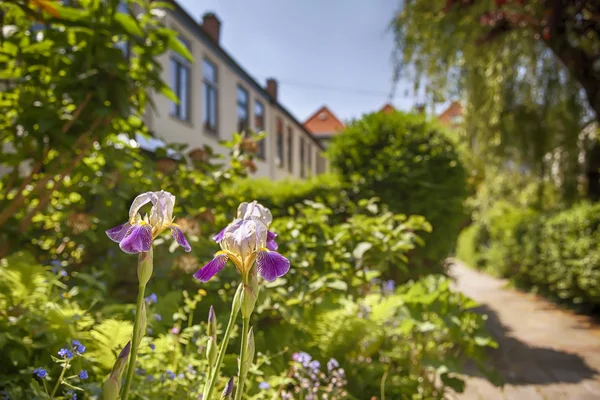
{"x":137,"y":234}
{"x":247,"y":241}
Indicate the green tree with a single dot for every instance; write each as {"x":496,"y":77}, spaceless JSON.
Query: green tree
{"x":527,"y":70}
{"x":73,"y":78}
{"x":414,"y":168}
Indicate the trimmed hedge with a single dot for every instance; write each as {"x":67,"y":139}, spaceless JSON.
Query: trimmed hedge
{"x":411,"y":164}
{"x":555,"y":254}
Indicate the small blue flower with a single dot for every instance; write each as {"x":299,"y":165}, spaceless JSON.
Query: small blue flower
{"x":140,"y":371}
{"x":181,"y":376}
{"x":263,"y":386}
{"x":71,"y":395}
{"x":65,"y":353}
{"x":149,"y":330}
{"x":171,"y":374}
{"x":158,"y":317}
{"x":150,"y":378}
{"x":303,"y":358}
{"x":314,"y":365}
{"x":78,"y":347}
{"x":152,"y":299}
{"x":83,"y":374}
{"x":40,"y":372}
{"x":389,"y":286}
{"x":152,"y":346}
{"x":332,"y":364}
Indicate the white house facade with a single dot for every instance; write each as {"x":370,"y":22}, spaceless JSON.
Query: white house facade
{"x":218,"y":97}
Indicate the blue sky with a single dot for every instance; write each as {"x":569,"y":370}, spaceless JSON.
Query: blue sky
{"x":336,"y":52}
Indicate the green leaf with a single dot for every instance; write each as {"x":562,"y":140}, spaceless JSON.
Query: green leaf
{"x":339,"y":285}
{"x":361,"y":249}
{"x":129,"y":24}
{"x":178,"y":47}
{"x":169,"y":93}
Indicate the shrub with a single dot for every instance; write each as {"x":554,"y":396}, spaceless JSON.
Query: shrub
{"x":409,"y":163}
{"x":281,"y":195}
{"x":556,"y":253}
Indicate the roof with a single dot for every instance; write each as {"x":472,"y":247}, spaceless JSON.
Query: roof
{"x":388,"y":108}
{"x":453,"y":110}
{"x":195,"y":27}
{"x":323,"y":122}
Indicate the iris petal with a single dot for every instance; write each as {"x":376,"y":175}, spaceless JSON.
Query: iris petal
{"x":271,"y":245}
{"x":209,"y":270}
{"x":271,"y":265}
{"x":117,"y":233}
{"x":219,"y":236}
{"x":137,"y":239}
{"x":180,"y":238}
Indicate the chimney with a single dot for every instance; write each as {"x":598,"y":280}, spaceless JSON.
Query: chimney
{"x":272,"y":88}
{"x":212,"y":26}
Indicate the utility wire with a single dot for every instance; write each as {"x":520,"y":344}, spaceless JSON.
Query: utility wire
{"x":348,"y":90}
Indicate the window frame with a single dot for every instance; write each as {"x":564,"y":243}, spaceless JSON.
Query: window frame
{"x":180,"y":64}
{"x":290,"y":148}
{"x":208,"y":87}
{"x":279,"y":142}
{"x":259,"y":127}
{"x":242,"y":106}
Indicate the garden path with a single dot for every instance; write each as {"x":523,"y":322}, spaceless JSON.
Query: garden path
{"x":545,"y":352}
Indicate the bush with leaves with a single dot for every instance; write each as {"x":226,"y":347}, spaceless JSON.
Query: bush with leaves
{"x":413,"y":167}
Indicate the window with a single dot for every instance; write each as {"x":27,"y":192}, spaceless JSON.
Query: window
{"x":290,"y":148}
{"x":180,"y":84}
{"x":242,"y":109}
{"x":209,"y":93}
{"x":302,"y":166}
{"x":309,"y":157}
{"x":259,"y":125}
{"x":279,"y":142}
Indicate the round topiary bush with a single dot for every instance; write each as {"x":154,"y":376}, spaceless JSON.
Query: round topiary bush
{"x":413,"y":167}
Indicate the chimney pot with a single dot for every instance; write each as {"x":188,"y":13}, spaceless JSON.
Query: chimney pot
{"x":271,"y":88}
{"x":212,"y":26}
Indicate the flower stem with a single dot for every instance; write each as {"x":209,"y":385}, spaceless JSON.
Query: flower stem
{"x":243,"y":368}
{"x":383,"y":379}
{"x":210,"y":385}
{"x":135,"y":342}
{"x":60,"y":378}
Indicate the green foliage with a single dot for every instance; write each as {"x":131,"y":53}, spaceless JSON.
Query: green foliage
{"x":281,"y":195}
{"x":554,"y":253}
{"x":522,"y":89}
{"x":402,"y":159}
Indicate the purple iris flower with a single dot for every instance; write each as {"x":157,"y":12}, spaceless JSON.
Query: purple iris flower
{"x":136,"y":235}
{"x":247,"y":211}
{"x":246,"y":241}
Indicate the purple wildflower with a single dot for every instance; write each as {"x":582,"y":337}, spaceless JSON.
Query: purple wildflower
{"x":389,"y":286}
{"x":303,"y":358}
{"x":152,"y":299}
{"x":263,"y":386}
{"x":78,"y":347}
{"x":332,"y":364}
{"x":171,"y":375}
{"x":65,"y":353}
{"x":158,"y":317}
{"x":83,"y":374}
{"x":136,"y":235}
{"x":314,"y":365}
{"x":152,"y":346}
{"x":40,"y":372}
{"x":245,"y":241}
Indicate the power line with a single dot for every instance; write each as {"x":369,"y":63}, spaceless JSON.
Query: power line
{"x":356,"y":91}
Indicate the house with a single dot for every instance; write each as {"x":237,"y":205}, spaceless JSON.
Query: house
{"x":219,"y":97}
{"x":452,"y":116}
{"x":323,"y":124}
